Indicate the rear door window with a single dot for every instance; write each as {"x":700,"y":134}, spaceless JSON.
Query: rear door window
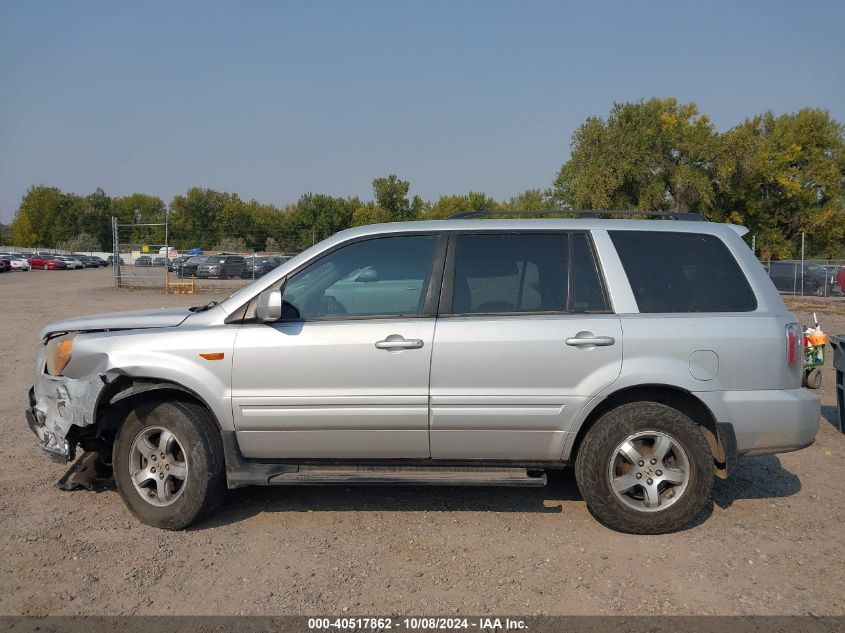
{"x":682,"y":272}
{"x":510,"y":273}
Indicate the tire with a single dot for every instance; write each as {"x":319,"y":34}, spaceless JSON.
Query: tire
{"x":196,"y":448}
{"x":813,"y":378}
{"x":46,"y":267}
{"x":672,"y":505}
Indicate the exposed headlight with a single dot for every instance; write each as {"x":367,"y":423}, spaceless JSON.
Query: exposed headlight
{"x":59,"y":351}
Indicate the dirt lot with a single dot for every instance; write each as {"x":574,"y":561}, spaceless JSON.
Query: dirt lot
{"x":772,"y":543}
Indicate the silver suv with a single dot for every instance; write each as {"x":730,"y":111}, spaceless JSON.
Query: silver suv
{"x":649,"y":354}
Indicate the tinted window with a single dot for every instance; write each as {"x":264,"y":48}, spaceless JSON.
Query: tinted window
{"x":379,"y":277}
{"x":587,"y":290}
{"x":682,"y":272}
{"x":498,"y":273}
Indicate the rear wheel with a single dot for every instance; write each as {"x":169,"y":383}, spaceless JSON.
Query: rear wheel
{"x":645,"y":468}
{"x":168,"y":463}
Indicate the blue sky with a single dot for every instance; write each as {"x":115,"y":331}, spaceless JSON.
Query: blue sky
{"x":275,"y":99}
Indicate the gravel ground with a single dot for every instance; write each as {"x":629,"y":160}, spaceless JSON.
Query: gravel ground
{"x":772,"y":542}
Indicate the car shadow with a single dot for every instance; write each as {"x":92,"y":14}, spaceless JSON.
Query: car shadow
{"x":243,"y":503}
{"x":761,"y":477}
{"x":753,"y":478}
{"x":831,"y":414}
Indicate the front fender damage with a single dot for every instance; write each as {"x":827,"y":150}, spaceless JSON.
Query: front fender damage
{"x":57,"y":404}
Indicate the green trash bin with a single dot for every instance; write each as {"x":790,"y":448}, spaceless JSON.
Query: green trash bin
{"x":837,"y":342}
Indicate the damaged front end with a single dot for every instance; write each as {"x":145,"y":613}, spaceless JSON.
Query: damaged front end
{"x":60,"y":407}
{"x":72,"y":377}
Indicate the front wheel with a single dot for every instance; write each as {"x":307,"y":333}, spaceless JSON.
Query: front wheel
{"x":168,"y":463}
{"x":645,"y":468}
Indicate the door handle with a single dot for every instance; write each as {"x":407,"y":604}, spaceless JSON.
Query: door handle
{"x":396,"y":342}
{"x":593,"y":341}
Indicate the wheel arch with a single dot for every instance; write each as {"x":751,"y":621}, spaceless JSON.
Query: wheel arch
{"x":117,"y":397}
{"x":672,"y":396}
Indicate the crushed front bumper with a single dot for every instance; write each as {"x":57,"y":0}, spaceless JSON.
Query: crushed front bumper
{"x":56,"y":447}
{"x":56,"y":405}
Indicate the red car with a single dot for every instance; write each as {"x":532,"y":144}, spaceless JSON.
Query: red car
{"x":46,"y":262}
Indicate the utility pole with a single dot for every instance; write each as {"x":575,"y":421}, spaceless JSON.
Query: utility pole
{"x":802,"y":263}
{"x":115,"y":248}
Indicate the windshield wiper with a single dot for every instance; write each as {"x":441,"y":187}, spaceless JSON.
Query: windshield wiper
{"x":207,"y":306}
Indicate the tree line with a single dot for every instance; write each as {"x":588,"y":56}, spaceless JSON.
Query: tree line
{"x":779,"y":175}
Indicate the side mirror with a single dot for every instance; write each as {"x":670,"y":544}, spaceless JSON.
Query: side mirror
{"x":368,"y":275}
{"x":269,"y":306}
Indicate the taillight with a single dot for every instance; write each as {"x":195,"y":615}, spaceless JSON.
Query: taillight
{"x":794,"y":346}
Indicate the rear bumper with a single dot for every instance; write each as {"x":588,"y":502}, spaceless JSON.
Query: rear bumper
{"x":767,"y":421}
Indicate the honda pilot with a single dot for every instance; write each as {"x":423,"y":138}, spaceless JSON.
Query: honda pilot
{"x":648,"y":354}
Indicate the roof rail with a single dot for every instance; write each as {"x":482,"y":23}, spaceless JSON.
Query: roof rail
{"x":586,"y":213}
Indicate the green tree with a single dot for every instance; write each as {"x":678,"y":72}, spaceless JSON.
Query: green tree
{"x":23,"y":233}
{"x":97,"y":218}
{"x":231,"y":245}
{"x":531,"y":200}
{"x":316,"y":216}
{"x":450,"y":205}
{"x":651,"y":155}
{"x":140,"y":208}
{"x":194,"y":217}
{"x":80,"y":243}
{"x":36,"y":216}
{"x":391,"y":194}
{"x":784,"y":175}
{"x":369,"y":213}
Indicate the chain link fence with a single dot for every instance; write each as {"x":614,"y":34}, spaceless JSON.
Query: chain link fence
{"x":180,"y":260}
{"x":807,"y":278}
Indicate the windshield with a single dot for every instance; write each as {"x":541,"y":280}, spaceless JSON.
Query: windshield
{"x":196,"y":260}
{"x":215,"y":260}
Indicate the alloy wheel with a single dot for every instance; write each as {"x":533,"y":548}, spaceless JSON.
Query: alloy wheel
{"x":649,"y":471}
{"x":158,"y":466}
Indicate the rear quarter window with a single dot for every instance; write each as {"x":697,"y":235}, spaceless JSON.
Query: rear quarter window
{"x":682,"y":272}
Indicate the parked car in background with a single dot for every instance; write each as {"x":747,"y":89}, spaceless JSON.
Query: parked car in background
{"x":5,"y":265}
{"x":144,"y":260}
{"x":174,"y":265}
{"x":91,"y":261}
{"x":194,"y":252}
{"x":72,"y":262}
{"x":787,"y":277}
{"x":17,"y":261}
{"x":189,"y":267}
{"x":222,"y":267}
{"x":46,"y":262}
{"x":159,"y":261}
{"x":110,"y":260}
{"x":259,"y":266}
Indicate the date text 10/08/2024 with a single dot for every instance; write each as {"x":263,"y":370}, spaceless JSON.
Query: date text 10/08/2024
{"x":418,"y":623}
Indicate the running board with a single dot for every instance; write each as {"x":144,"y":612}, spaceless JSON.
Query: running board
{"x":411,"y":475}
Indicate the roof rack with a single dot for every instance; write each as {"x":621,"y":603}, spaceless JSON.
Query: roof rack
{"x":587,"y":213}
